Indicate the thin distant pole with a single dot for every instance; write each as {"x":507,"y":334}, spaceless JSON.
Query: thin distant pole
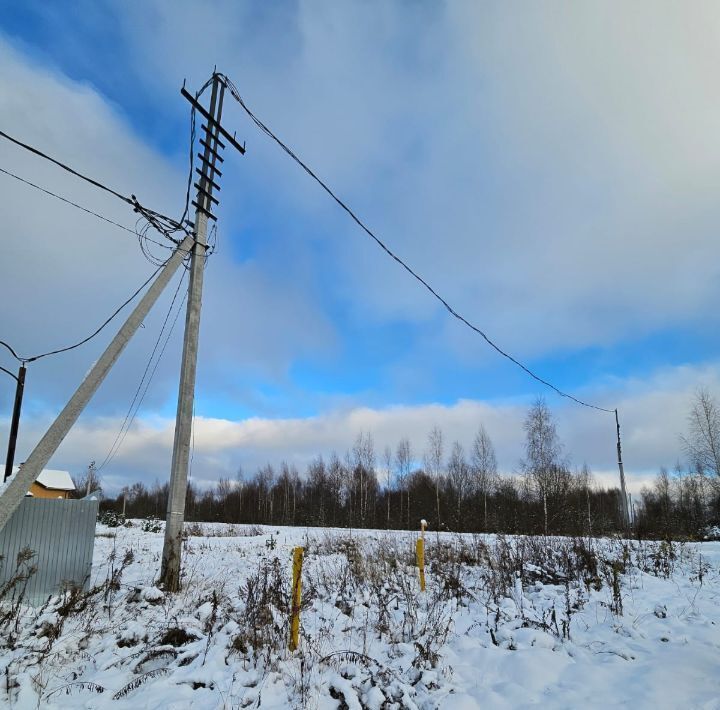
{"x":623,"y":491}
{"x":15,"y":424}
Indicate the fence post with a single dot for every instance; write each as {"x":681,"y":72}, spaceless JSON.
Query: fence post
{"x":296,"y":595}
{"x":420,"y":554}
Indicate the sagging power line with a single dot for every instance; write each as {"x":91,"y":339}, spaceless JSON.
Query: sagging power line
{"x":24,"y":361}
{"x":196,"y":243}
{"x":234,"y":92}
{"x":97,"y":331}
{"x":263,"y":127}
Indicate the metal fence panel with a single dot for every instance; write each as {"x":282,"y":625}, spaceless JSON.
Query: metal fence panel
{"x":61,"y":533}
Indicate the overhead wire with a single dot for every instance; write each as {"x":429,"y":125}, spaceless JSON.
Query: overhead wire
{"x":134,"y":232}
{"x":108,"y":320}
{"x":269,"y":133}
{"x":14,"y":376}
{"x":163,"y":224}
{"x":65,"y":167}
{"x":210,"y":248}
{"x":149,"y":219}
{"x":12,"y":351}
{"x":138,"y":398}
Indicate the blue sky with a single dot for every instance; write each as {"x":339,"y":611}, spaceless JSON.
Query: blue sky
{"x":549,"y":170}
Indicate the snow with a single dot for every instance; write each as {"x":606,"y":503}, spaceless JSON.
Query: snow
{"x":53,"y":478}
{"x":380,"y":644}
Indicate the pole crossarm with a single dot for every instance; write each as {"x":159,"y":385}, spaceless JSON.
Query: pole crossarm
{"x":14,"y":490}
{"x":208,"y":171}
{"x":212,"y":120}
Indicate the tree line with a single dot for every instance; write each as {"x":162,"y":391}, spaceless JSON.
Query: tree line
{"x":686,"y":501}
{"x":458,"y":490}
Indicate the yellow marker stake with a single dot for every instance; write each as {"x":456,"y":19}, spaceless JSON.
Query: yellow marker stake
{"x":296,"y":592}
{"x":420,"y":554}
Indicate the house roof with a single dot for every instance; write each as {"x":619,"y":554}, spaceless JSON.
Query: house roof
{"x":53,"y":479}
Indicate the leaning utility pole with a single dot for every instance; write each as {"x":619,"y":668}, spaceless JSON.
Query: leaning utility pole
{"x":15,"y":489}
{"x":172,"y":547}
{"x":623,"y":492}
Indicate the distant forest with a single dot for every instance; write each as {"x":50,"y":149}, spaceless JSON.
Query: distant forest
{"x":458,"y":490}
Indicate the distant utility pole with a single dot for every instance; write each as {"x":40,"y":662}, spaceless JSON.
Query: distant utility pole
{"x":208,"y":171}
{"x":15,"y":422}
{"x":623,"y":491}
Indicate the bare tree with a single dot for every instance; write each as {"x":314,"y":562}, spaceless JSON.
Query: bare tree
{"x":240,"y":480}
{"x":702,"y":444}
{"x":88,"y":482}
{"x":433,"y":465}
{"x":336,"y":477}
{"x":387,"y":461}
{"x":364,"y":461}
{"x":222,"y":493}
{"x":403,"y":462}
{"x":583,"y":483}
{"x":264,"y":480}
{"x":295,"y":480}
{"x":460,"y":478}
{"x":543,"y":465}
{"x":483,"y":468}
{"x":317,"y":482}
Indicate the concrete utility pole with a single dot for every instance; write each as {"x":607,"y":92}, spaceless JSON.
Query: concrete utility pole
{"x":172,"y":546}
{"x":15,"y":423}
{"x":623,"y":492}
{"x":19,"y":485}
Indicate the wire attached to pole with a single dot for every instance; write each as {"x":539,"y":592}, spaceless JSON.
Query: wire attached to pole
{"x":236,"y":95}
{"x":162,"y":223}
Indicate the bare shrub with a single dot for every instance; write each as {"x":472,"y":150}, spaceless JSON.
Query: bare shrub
{"x":262,"y":622}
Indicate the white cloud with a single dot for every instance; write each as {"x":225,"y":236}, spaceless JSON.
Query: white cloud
{"x":653,"y":415}
{"x":550,"y":169}
{"x":63,"y":272}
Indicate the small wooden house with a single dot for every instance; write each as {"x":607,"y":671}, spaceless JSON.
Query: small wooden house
{"x":51,"y":483}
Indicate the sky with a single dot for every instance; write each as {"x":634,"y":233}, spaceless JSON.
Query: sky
{"x":550,"y":169}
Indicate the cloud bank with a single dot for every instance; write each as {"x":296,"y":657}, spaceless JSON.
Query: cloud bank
{"x":653,"y":415}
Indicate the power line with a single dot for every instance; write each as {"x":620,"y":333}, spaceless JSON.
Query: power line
{"x":140,"y":232}
{"x":89,"y":337}
{"x":69,"y":202}
{"x":72,"y":171}
{"x":163,"y":224}
{"x":138,"y":398}
{"x":8,"y":372}
{"x":236,"y":95}
{"x":12,"y":352}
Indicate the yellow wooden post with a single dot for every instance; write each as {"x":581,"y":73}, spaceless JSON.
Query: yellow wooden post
{"x":420,"y":554}
{"x":296,"y":595}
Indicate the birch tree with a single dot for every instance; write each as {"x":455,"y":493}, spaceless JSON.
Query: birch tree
{"x":702,"y":443}
{"x":433,"y":465}
{"x":484,"y":468}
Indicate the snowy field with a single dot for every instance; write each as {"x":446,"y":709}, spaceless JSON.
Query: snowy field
{"x":504,"y":623}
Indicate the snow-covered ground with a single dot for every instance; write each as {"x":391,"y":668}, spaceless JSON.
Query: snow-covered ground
{"x":504,"y":623}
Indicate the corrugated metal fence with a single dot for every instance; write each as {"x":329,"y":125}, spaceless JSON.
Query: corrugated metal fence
{"x":61,"y":533}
